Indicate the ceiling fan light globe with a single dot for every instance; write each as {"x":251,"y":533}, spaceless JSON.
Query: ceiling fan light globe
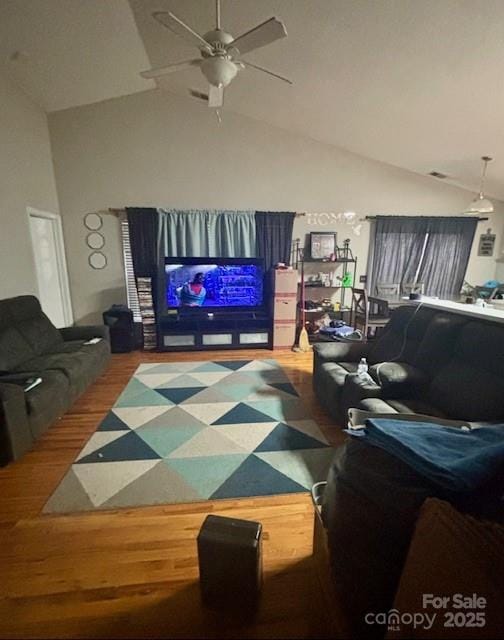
{"x":219,"y":71}
{"x":480,"y":204}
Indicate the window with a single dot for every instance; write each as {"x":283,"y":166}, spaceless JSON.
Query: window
{"x":433,"y":251}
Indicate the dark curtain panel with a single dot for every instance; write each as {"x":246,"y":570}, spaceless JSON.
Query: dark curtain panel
{"x":274,"y":237}
{"x":396,"y":250}
{"x":446,"y":255}
{"x":143,"y":227}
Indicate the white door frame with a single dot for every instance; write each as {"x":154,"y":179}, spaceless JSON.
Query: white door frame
{"x":60,"y":258}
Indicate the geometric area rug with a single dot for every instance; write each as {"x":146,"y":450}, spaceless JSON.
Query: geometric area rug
{"x":195,"y":431}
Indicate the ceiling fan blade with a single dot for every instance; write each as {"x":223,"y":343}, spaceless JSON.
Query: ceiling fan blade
{"x":215,"y":96}
{"x":180,"y":28}
{"x":171,"y":68}
{"x":265,"y":33}
{"x":271,"y":73}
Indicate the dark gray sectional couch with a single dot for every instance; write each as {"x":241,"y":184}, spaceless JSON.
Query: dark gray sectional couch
{"x":429,"y":362}
{"x":31,"y":346}
{"x":425,"y":362}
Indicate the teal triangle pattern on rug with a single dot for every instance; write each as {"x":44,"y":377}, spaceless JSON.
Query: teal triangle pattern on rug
{"x":281,"y":409}
{"x":287,"y":387}
{"x":112,"y":422}
{"x":234,"y":365}
{"x":209,"y":367}
{"x":235,"y":391}
{"x":284,"y":438}
{"x":195,"y":431}
{"x":304,"y":466}
{"x":127,"y":447}
{"x":164,"y":440}
{"x":178,"y":394}
{"x":134,"y":389}
{"x":203,"y":473}
{"x":256,"y":478}
{"x":183,"y":381}
{"x":242,"y":413}
{"x":138,"y":398}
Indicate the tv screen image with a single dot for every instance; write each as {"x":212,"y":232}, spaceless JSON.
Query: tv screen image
{"x":213,"y":285}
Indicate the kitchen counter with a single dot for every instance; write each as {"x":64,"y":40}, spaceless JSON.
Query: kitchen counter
{"x":484,"y":313}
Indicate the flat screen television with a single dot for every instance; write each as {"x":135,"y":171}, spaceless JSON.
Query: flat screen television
{"x":213,"y":284}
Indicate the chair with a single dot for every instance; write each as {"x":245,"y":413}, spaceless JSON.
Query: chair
{"x":413,"y":287}
{"x":368,"y":312}
{"x":486,"y":293}
{"x":498,"y":294}
{"x":386,"y":289}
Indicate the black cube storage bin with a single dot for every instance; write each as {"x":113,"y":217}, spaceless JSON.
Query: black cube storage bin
{"x":230,"y":561}
{"x":119,"y":320}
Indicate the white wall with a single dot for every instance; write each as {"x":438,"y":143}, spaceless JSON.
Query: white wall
{"x":26,"y":179}
{"x":158,"y":149}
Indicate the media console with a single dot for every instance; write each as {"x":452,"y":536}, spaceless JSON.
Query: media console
{"x":200,"y":330}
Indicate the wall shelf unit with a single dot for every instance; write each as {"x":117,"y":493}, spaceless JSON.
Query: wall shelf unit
{"x":346,"y":262}
{"x":346,"y":265}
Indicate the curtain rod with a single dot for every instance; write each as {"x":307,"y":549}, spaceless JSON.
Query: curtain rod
{"x":302,"y":214}
{"x":376,"y":217}
{"x":119,"y":212}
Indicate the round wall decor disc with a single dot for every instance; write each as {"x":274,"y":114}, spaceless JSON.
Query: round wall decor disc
{"x":95,"y":240}
{"x":93,"y":221}
{"x":97,"y":260}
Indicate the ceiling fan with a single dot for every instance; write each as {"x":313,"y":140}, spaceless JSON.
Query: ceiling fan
{"x":220,"y":53}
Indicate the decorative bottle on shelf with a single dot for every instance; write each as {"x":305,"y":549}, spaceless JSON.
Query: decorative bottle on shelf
{"x":362,"y":368}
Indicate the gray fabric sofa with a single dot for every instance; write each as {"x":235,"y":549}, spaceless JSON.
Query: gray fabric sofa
{"x":30,"y":346}
{"x":425,"y":362}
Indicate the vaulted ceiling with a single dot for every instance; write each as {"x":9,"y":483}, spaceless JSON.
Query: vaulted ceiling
{"x":418,"y":84}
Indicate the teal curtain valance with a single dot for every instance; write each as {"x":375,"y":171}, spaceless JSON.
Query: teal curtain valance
{"x":206,"y":233}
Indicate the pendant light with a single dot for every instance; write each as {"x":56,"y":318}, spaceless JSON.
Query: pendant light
{"x":481,"y":204}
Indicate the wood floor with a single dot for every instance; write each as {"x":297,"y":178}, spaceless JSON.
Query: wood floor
{"x":134,"y":572}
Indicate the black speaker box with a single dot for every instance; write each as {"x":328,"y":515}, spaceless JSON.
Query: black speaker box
{"x":119,"y":320}
{"x":230,"y":561}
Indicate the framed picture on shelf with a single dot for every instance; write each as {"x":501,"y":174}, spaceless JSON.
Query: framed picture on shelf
{"x":322,"y":245}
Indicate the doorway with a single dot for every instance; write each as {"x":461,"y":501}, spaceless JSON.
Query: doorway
{"x":50,"y":266}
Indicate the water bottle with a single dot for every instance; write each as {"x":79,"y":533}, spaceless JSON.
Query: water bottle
{"x":362,"y":368}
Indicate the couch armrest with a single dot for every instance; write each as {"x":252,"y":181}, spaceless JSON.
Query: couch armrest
{"x":358,"y":417}
{"x":86,"y":333}
{"x":15,"y":434}
{"x":339,"y":351}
